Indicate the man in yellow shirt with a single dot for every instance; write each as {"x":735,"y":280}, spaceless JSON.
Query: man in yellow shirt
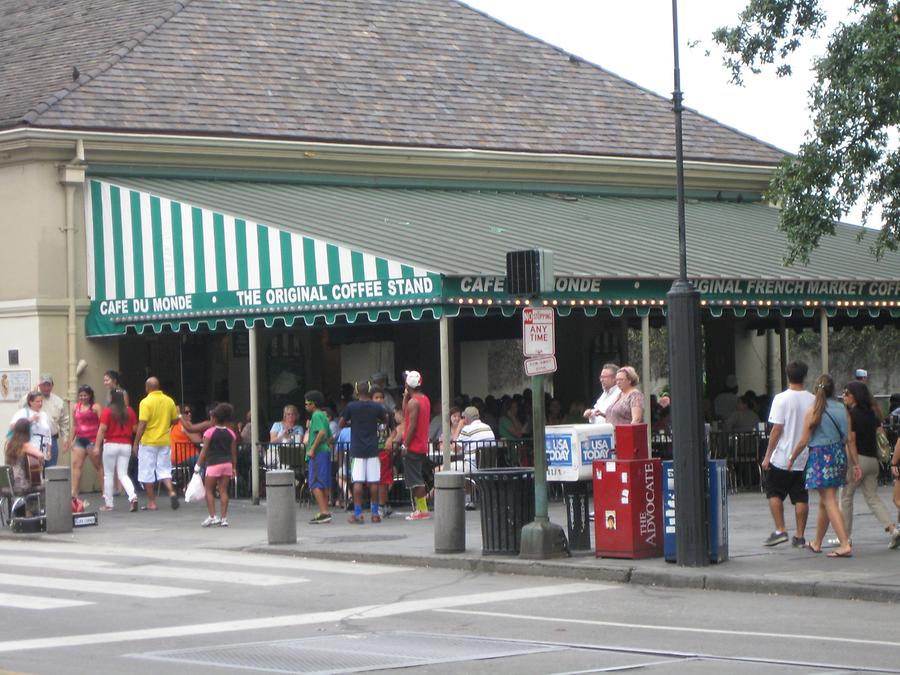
{"x":157,"y":414}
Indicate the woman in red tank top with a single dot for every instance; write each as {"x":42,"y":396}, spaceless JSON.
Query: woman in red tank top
{"x":85,"y":422}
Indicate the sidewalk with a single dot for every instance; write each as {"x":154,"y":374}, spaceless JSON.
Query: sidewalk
{"x":873,"y":573}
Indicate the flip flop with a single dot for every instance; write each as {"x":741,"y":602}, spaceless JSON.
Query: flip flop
{"x":836,"y":554}
{"x":814,"y":550}
{"x":149,"y":508}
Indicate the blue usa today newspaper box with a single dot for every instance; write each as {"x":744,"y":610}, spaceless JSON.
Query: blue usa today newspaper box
{"x":717,"y":477}
{"x":573,"y":448}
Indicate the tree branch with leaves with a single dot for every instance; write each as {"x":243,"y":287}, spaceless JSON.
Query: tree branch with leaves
{"x":852,"y":153}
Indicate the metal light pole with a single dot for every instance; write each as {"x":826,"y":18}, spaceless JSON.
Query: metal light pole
{"x":691,"y":510}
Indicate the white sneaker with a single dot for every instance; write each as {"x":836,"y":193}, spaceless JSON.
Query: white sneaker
{"x":223,"y":522}
{"x":895,"y":538}
{"x":210,"y":521}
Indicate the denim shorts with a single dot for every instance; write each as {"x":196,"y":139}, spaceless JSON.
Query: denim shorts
{"x":83,"y":442}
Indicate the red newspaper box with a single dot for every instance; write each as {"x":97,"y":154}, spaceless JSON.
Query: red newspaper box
{"x":631,"y":441}
{"x":628,"y":508}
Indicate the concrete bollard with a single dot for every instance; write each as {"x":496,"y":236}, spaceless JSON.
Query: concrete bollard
{"x":58,"y":499}
{"x":449,"y":512}
{"x":281,"y":511}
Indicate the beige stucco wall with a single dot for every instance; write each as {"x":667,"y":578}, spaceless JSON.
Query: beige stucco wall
{"x":33,"y":303}
{"x":32,"y":202}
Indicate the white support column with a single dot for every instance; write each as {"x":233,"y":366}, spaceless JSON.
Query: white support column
{"x":445,"y":388}
{"x":823,"y":338}
{"x":645,"y":365}
{"x":254,"y":418}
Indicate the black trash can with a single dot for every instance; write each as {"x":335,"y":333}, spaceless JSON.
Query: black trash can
{"x":578,"y":514}
{"x":507,"y":505}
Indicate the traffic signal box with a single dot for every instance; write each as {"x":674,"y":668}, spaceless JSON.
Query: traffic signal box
{"x":628,"y":499}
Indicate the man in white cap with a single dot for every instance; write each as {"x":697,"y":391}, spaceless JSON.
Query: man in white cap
{"x":55,"y":408}
{"x":414,"y":448}
{"x":862,"y":375}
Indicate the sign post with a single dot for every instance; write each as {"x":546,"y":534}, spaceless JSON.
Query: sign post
{"x":541,"y":538}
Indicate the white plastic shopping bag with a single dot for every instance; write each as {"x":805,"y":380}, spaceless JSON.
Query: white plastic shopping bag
{"x":195,"y":491}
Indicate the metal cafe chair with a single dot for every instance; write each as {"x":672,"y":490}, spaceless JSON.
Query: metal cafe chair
{"x":9,"y":496}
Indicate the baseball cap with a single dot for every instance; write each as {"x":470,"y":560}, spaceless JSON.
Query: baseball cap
{"x":471,"y":413}
{"x":414,"y":379}
{"x":47,"y":377}
{"x":861,"y":373}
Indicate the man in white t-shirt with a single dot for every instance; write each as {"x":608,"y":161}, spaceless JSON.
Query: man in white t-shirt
{"x":786,"y":417}
{"x":608,"y":396}
{"x":470,"y":437}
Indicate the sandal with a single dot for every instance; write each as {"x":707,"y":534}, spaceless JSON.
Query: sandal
{"x":812,"y":548}
{"x":106,"y":508}
{"x":838,"y":554}
{"x":133,"y":505}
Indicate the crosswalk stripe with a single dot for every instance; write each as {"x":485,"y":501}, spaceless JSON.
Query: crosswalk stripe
{"x":242,"y":559}
{"x":38,"y":602}
{"x":88,"y":586}
{"x":202,"y":574}
{"x":34,"y":562}
{"x":188,"y":575}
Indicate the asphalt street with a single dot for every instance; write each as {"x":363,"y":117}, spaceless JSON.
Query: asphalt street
{"x":149,"y":591}
{"x":142,"y":610}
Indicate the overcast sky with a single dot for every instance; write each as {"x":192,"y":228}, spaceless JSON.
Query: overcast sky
{"x":634,"y":40}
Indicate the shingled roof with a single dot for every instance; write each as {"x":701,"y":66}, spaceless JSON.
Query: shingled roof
{"x":424,"y":73}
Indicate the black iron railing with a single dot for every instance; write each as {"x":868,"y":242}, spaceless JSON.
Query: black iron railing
{"x":742,"y":450}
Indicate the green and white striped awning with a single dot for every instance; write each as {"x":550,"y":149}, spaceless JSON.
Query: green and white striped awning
{"x":153,"y":261}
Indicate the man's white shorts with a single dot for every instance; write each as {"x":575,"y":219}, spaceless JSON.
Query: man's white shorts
{"x":154,"y":463}
{"x":365,"y":470}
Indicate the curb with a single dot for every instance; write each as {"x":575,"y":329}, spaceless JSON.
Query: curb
{"x":680,"y":578}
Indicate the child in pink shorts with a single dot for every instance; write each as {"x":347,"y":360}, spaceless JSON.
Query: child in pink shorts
{"x":219,"y":455}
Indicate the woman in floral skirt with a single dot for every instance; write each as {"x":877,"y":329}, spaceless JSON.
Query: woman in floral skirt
{"x":826,"y":430}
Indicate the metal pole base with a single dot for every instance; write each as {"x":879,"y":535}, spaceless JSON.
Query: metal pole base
{"x":542,"y":539}
{"x":689,"y":452}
